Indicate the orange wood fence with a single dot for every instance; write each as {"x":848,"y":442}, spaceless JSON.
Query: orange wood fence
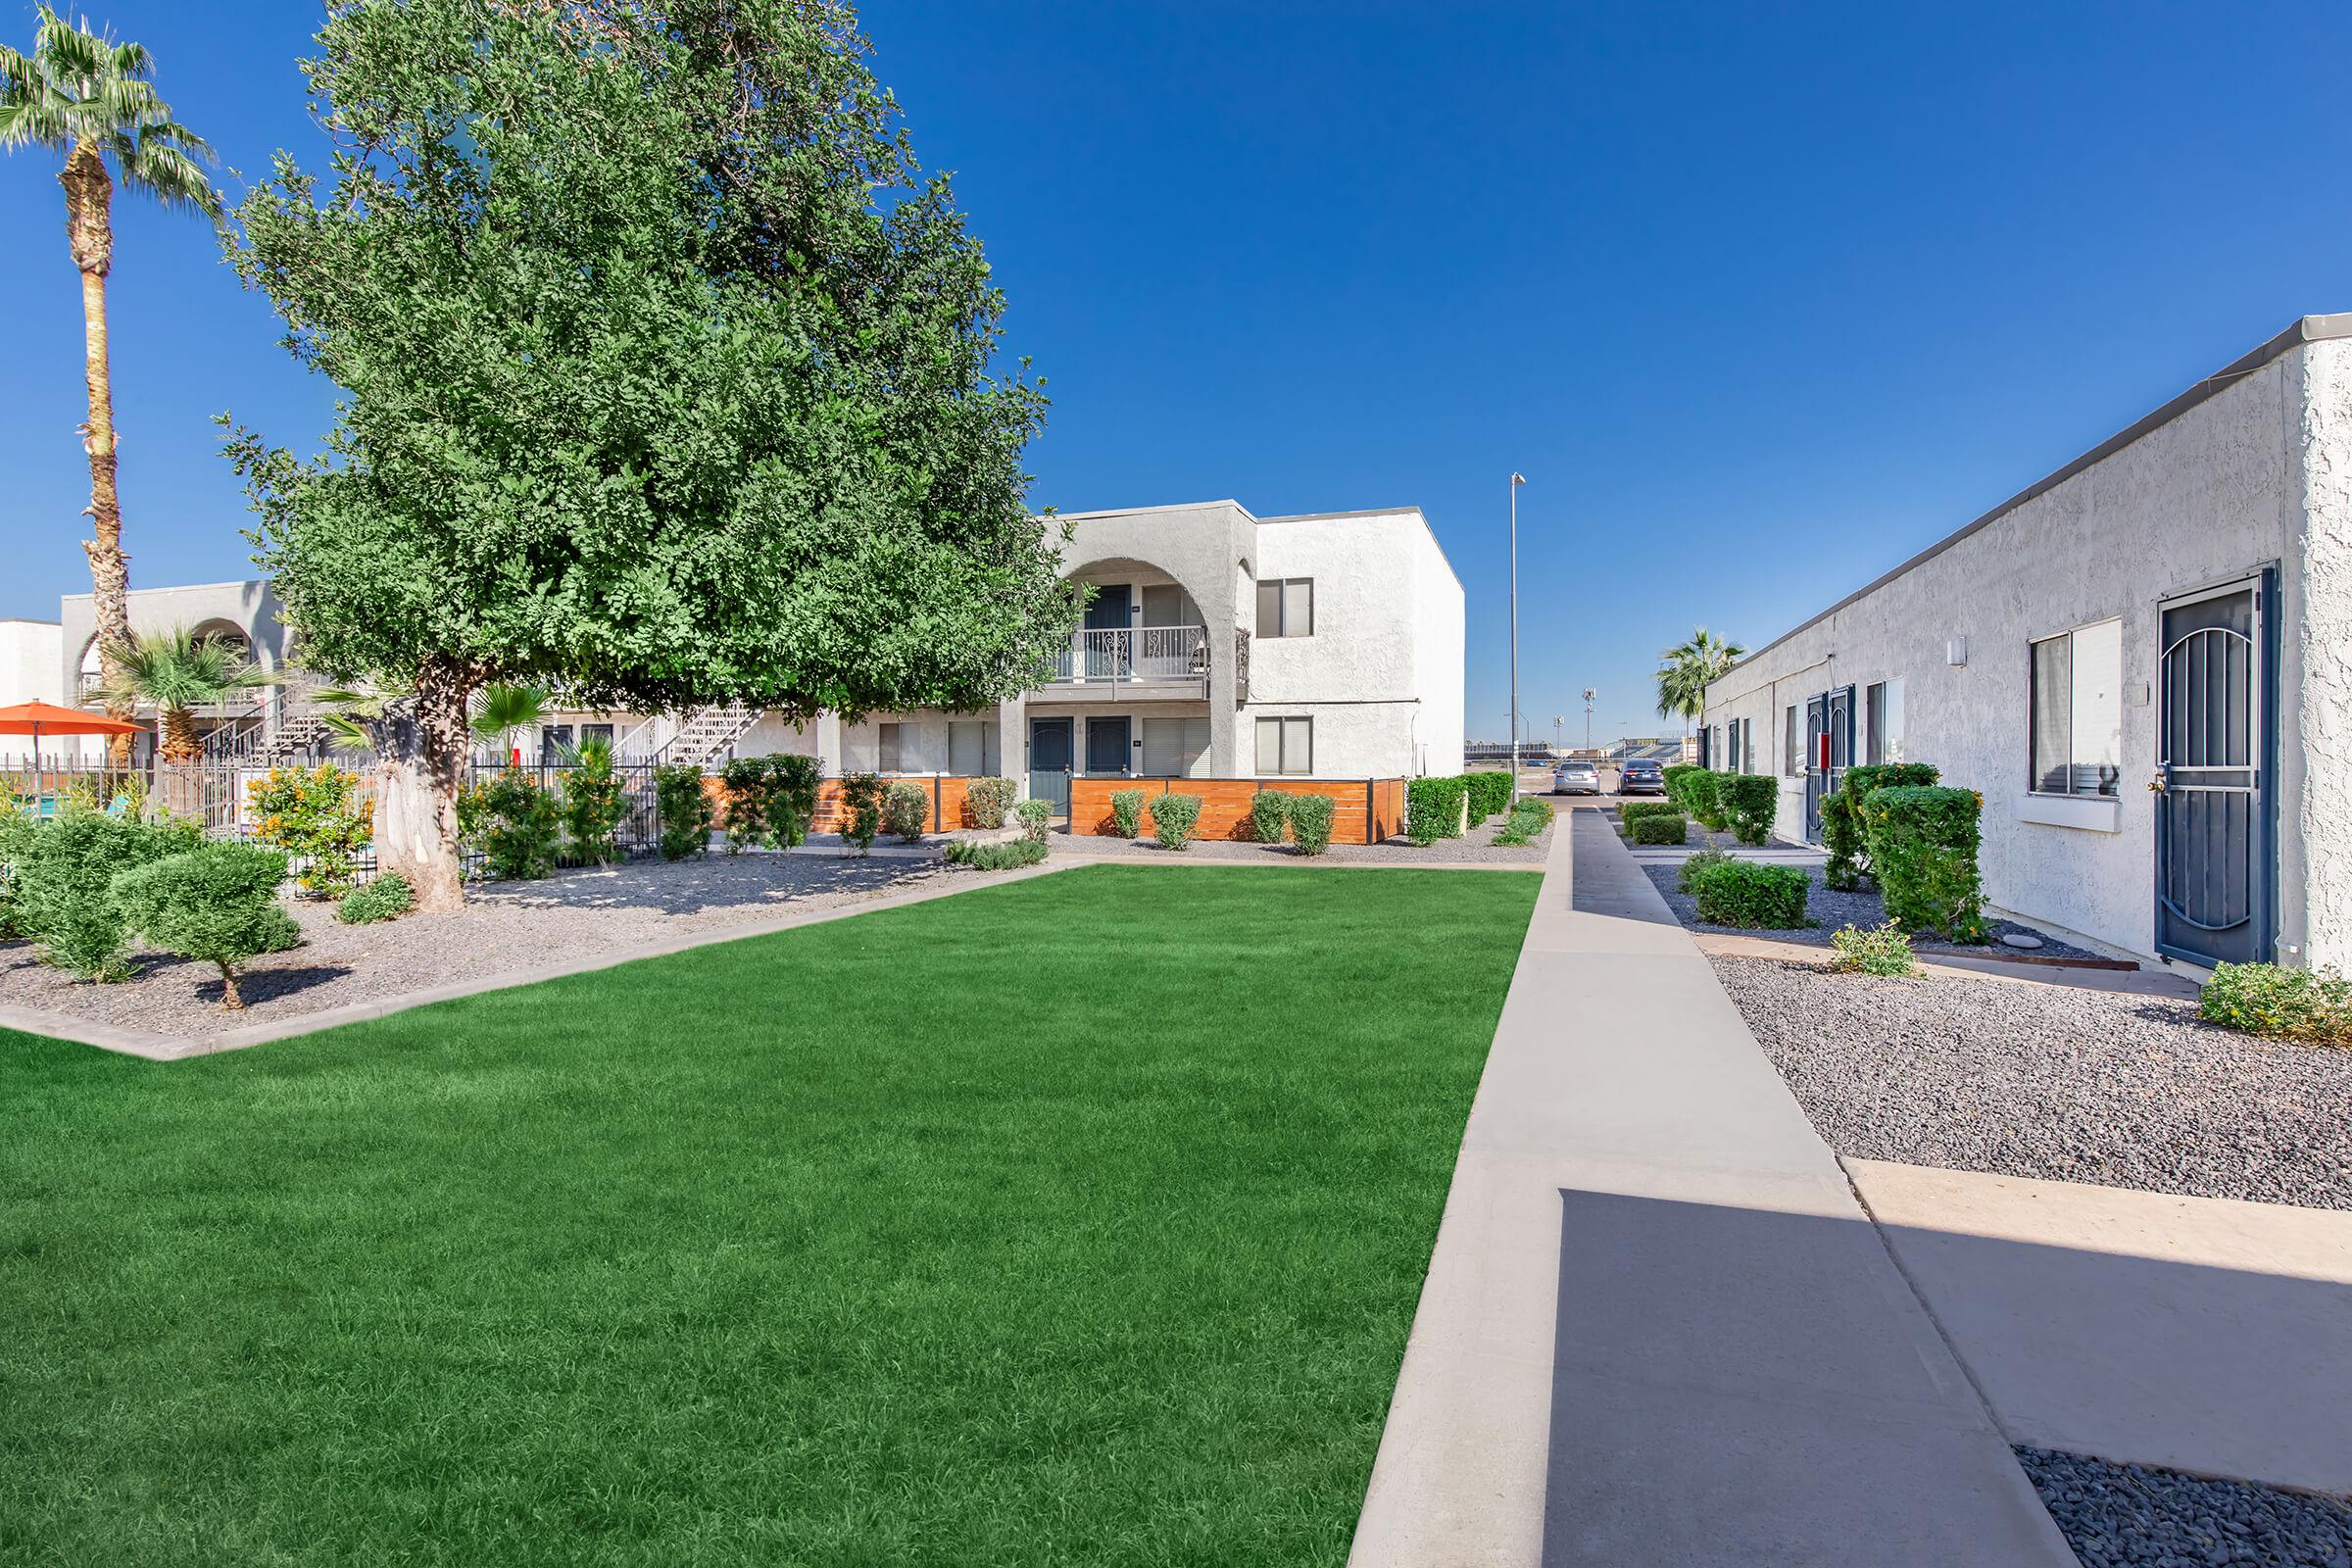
{"x":947,"y":809}
{"x":1365,"y":811}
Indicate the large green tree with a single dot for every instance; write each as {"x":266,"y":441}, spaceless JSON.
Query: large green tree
{"x":93,"y":101}
{"x":666,"y":377}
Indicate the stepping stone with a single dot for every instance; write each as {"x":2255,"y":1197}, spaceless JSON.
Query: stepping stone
{"x":2017,"y":939}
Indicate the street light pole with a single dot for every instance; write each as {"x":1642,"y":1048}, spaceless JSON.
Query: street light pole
{"x":1517,"y":479}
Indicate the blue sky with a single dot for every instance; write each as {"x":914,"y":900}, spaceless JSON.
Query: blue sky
{"x":1760,"y":304}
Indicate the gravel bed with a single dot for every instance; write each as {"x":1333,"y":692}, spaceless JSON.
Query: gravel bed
{"x":2129,"y":1516}
{"x":1475,"y":848}
{"x":1831,"y":909}
{"x":506,"y":926}
{"x":2056,"y":1082}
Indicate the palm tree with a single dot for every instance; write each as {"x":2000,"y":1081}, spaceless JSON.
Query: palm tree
{"x":498,"y":711}
{"x":93,"y":100}
{"x":179,"y":672}
{"x":1686,"y":671}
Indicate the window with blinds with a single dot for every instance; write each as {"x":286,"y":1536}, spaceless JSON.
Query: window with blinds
{"x":1286,"y":745}
{"x":1174,"y":747}
{"x":2077,"y":710}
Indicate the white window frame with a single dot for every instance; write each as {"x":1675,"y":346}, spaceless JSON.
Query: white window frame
{"x":1281,"y":587}
{"x":2073,"y":669}
{"x":1282,"y":745}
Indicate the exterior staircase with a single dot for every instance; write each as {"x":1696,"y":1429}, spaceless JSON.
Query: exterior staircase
{"x":707,"y":732}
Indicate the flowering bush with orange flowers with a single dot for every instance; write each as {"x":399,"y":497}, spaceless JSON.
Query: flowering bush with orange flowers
{"x":317,"y":816}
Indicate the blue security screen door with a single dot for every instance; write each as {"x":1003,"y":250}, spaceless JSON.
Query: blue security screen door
{"x":1050,"y":763}
{"x":1107,"y":745}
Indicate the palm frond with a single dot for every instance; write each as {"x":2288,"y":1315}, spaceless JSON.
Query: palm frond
{"x":348,"y":735}
{"x":173,"y":178}
{"x":500,"y":709}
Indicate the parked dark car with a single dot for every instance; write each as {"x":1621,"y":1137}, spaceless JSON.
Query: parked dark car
{"x":1575,"y":778}
{"x":1641,"y":777}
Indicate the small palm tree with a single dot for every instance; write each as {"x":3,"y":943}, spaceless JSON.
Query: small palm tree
{"x":1686,"y":671}
{"x":180,"y":673}
{"x":93,"y":100}
{"x":498,"y":711}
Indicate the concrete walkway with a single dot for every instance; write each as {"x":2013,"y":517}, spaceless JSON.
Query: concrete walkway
{"x":1657,"y":1326}
{"x":2198,"y":1334}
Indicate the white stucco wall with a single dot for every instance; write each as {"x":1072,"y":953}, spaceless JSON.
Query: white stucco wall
{"x":31,"y":662}
{"x":2219,"y":491}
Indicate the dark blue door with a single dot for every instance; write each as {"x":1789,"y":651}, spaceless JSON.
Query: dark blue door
{"x":2215,"y":730}
{"x":1050,"y":763}
{"x":1110,"y":643}
{"x":1107,"y":741}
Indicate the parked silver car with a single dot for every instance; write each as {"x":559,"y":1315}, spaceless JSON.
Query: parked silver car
{"x":1575,"y":778}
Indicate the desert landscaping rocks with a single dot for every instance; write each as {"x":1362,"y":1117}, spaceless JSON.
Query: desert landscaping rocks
{"x":2127,"y":1516}
{"x":1970,"y":1072}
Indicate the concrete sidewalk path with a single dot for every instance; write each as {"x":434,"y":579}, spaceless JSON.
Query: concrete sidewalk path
{"x":1657,"y":1326}
{"x":2196,"y":1334}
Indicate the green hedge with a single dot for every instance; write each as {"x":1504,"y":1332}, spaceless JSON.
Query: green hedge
{"x":1841,"y":816}
{"x":1659,"y":827}
{"x":1742,"y":893}
{"x":1526,"y":823}
{"x":1006,"y":856}
{"x":1675,"y":774}
{"x":1923,"y":851}
{"x":1750,"y":801}
{"x":1702,"y":796}
{"x":1310,"y":823}
{"x":1127,"y":812}
{"x":1269,"y":815}
{"x":1634,"y":808}
{"x":1173,"y":817}
{"x":1433,"y":808}
{"x":1489,"y":794}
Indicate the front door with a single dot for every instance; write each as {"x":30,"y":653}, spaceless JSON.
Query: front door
{"x":1829,"y":751}
{"x":1050,"y":763}
{"x":2213,"y":744}
{"x":1110,"y":643}
{"x":1108,"y":743}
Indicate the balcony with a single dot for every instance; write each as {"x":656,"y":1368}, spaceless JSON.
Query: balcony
{"x":1139,"y":661}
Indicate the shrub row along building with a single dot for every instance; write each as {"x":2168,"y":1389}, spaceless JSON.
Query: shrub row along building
{"x":2143,"y":662}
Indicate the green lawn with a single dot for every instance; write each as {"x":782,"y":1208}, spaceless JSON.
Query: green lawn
{"x":1073,"y":1221}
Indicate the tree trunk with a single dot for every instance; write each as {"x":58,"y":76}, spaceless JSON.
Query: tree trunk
{"x":230,"y":998}
{"x":421,"y":743}
{"x":179,"y":741}
{"x":89,"y":233}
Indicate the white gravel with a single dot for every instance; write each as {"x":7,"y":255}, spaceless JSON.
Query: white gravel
{"x":506,"y":926}
{"x":2129,"y":1516}
{"x":2054,"y":1082}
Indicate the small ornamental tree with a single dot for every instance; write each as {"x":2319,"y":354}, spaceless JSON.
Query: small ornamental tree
{"x":594,"y":804}
{"x":215,"y":904}
{"x":664,"y":375}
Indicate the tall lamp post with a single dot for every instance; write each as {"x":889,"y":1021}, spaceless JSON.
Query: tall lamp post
{"x":1517,"y":479}
{"x":1590,"y":694}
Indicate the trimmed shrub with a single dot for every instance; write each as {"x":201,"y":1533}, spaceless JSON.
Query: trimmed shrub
{"x":1173,"y":817}
{"x":1433,"y":808}
{"x":1702,"y":792}
{"x":1659,"y":827}
{"x":1634,"y":808}
{"x":745,"y":780}
{"x":1310,"y":823}
{"x":770,"y":799}
{"x":683,"y":807}
{"x":61,"y":875}
{"x":1527,"y":822}
{"x":1127,"y":812}
{"x":1488,"y":793}
{"x":1884,"y":949}
{"x":1036,"y":820}
{"x":1005,"y":857}
{"x":387,"y":898}
{"x":594,"y":804}
{"x":1841,"y":816}
{"x":2266,"y":999}
{"x":906,"y":809}
{"x":1675,"y":774}
{"x":1923,"y":851}
{"x":520,"y":826}
{"x":1687,"y":874}
{"x":1750,"y":802}
{"x":1269,"y":815}
{"x":1742,"y":893}
{"x":861,"y":806}
{"x":316,"y":817}
{"x":217,"y":904}
{"x":989,"y":799}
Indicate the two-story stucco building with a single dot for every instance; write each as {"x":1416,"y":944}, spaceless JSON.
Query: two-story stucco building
{"x":1216,"y":645}
{"x":2143,"y":662}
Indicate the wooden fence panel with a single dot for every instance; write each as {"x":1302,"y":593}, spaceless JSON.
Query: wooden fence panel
{"x":1363,"y":811}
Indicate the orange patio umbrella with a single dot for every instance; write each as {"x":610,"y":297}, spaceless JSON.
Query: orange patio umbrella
{"x":37,"y":720}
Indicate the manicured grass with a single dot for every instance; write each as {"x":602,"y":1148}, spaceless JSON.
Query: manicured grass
{"x":1079,"y":1220}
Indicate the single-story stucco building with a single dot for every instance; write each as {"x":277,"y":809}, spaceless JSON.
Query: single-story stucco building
{"x":2143,"y":662}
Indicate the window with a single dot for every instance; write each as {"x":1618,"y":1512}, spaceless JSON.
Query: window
{"x":2077,"y":710}
{"x":1731,"y":750}
{"x":1748,"y":746}
{"x":1167,"y":604}
{"x":596,"y":732}
{"x":889,"y":762}
{"x":555,"y":740}
{"x":971,"y":748}
{"x":1882,"y":722}
{"x":1286,"y":745}
{"x":1173,"y":747}
{"x":1792,"y":746}
{"x":1286,"y":608}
